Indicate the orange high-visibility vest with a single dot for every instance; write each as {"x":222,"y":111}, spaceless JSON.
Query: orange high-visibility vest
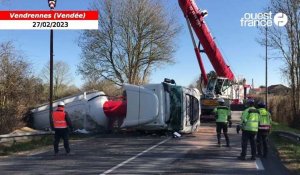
{"x":59,"y":118}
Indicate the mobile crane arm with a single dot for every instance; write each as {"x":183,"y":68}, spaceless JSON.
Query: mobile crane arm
{"x":196,"y":19}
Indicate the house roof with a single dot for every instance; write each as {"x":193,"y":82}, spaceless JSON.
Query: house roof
{"x":278,"y":88}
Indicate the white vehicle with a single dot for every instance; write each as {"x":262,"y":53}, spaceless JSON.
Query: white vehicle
{"x":163,"y":106}
{"x":85,"y":111}
{"x":178,"y":107}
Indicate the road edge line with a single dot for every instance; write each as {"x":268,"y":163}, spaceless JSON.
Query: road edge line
{"x":259,"y":165}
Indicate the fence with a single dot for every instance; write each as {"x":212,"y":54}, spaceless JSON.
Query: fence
{"x":289,"y":135}
{"x":9,"y":139}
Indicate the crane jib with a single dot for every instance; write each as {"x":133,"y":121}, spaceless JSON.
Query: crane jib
{"x":196,"y":19}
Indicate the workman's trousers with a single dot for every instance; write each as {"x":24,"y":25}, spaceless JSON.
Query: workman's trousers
{"x":64,"y":134}
{"x":219,"y":127}
{"x":248,"y":135}
{"x":262,"y":142}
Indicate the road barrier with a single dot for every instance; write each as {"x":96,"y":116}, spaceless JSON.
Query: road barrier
{"x":289,"y":135}
{"x":19,"y":137}
{"x":8,"y":139}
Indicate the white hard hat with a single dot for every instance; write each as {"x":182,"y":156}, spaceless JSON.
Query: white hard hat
{"x":221,"y":100}
{"x":61,"y":103}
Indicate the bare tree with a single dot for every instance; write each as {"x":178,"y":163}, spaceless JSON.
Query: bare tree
{"x":62,"y":77}
{"x":134,"y":37}
{"x":18,"y":88}
{"x":285,"y":42}
{"x":108,"y":87}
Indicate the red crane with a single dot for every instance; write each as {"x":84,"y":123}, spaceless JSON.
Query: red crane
{"x":195,"y":19}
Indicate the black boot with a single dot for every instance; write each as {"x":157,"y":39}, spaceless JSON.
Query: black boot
{"x":219,"y":139}
{"x":227,"y":139}
{"x":241,"y":157}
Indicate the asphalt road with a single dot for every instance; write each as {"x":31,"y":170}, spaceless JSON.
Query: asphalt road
{"x":134,"y":153}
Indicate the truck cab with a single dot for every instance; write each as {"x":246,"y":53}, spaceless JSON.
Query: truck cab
{"x":173,"y":107}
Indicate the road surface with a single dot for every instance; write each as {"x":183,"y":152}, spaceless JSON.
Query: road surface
{"x":145,"y":154}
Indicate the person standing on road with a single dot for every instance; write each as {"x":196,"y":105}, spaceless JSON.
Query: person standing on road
{"x":60,"y":123}
{"x":263,"y":130}
{"x":223,"y":117}
{"x":249,"y":122}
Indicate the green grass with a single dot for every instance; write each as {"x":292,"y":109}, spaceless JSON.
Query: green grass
{"x":283,"y":127}
{"x":288,"y":150}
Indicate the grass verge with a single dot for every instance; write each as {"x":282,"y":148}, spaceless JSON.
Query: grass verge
{"x":283,"y":127}
{"x":289,"y":151}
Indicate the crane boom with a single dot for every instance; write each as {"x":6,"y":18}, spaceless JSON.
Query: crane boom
{"x":196,"y":19}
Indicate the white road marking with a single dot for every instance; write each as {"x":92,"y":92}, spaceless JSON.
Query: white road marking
{"x":134,"y":157}
{"x":259,"y":165}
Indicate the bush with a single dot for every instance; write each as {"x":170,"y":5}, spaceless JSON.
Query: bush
{"x":281,"y":109}
{"x":18,"y":88}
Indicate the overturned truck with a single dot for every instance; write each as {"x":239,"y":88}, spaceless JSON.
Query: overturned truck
{"x":163,"y":106}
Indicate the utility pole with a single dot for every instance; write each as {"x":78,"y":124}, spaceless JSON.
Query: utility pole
{"x":266,"y":95}
{"x":52,"y":4}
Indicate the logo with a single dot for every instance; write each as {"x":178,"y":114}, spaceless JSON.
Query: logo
{"x":263,"y":19}
{"x":280,"y":19}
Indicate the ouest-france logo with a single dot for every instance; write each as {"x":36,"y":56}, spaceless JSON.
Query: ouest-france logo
{"x":264,"y":19}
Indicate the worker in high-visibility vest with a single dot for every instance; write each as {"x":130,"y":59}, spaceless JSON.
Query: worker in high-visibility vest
{"x":263,"y":130}
{"x":249,"y":122}
{"x":223,"y":117}
{"x":60,"y":123}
